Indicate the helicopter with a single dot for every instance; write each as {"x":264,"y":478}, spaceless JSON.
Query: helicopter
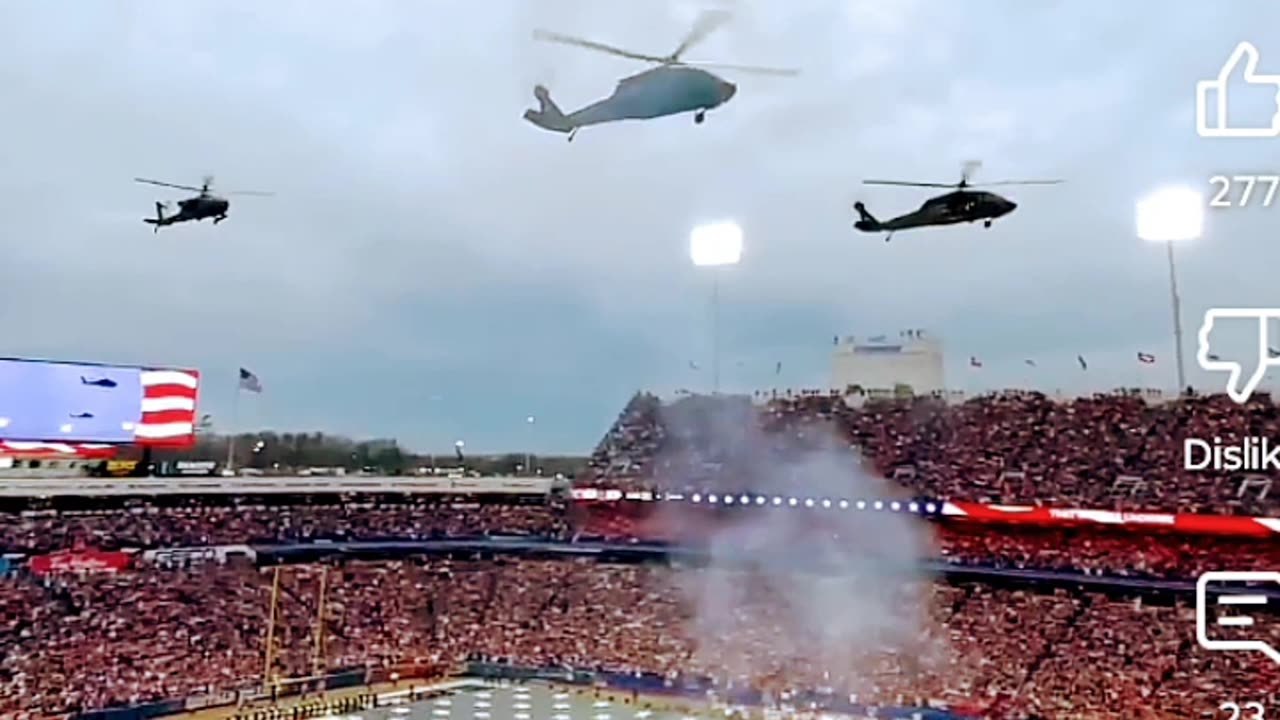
{"x":673,"y":87}
{"x":205,"y":205}
{"x":960,"y":205}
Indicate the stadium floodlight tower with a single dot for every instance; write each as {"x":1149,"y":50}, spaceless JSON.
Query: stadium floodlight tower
{"x":528,"y":453}
{"x":1172,"y":215}
{"x":716,"y":245}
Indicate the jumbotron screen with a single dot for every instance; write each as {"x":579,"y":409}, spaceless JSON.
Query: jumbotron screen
{"x":80,"y":402}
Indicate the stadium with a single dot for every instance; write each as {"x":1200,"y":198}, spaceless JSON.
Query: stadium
{"x":845,"y":554}
{"x":489,"y":406}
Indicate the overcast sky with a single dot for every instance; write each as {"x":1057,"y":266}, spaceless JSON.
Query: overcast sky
{"x":433,"y":268}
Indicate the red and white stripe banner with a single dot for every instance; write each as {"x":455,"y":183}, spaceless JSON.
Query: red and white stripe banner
{"x":168,"y":407}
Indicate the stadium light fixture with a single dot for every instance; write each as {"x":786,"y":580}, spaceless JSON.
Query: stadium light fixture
{"x":1172,"y":215}
{"x":716,"y":245}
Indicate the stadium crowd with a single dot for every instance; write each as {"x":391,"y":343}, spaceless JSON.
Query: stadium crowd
{"x":1088,"y":550}
{"x":78,"y":642}
{"x":1008,"y":448}
{"x":152,"y":526}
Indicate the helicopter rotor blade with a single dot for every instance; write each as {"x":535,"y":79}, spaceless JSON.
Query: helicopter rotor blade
{"x":256,"y":193}
{"x":1020,"y":182}
{"x":752,"y":69}
{"x":168,"y":185}
{"x":909,"y":184}
{"x":708,"y":22}
{"x":968,"y":169}
{"x":548,"y":36}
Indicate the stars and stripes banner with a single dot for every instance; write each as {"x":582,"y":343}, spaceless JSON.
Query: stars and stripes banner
{"x":168,"y":407}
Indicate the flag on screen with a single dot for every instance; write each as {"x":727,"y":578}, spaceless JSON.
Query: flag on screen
{"x":250,"y":382}
{"x":1146,"y":359}
{"x":1083,"y":365}
{"x":975,"y":362}
{"x":168,"y":406}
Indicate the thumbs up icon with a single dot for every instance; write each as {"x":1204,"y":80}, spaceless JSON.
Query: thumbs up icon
{"x":1212,"y":95}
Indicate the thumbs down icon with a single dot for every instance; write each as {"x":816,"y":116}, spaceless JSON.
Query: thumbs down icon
{"x":1241,"y":381}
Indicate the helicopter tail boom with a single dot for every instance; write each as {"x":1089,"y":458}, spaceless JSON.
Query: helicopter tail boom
{"x":548,"y":116}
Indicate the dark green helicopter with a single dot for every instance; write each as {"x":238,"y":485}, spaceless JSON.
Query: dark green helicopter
{"x":203,"y":206}
{"x":959,"y":206}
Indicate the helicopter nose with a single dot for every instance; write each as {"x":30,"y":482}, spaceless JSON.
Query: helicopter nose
{"x":727,"y":91}
{"x":1009,"y":206}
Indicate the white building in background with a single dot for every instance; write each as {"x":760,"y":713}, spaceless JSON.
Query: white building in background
{"x":879,"y":364}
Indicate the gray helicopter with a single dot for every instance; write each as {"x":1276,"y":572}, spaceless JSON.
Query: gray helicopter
{"x":672,"y":88}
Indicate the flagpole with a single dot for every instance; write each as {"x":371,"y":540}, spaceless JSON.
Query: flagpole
{"x":1176,"y":302}
{"x":235,"y":425}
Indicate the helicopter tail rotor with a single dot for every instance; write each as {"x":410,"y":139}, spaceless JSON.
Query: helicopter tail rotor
{"x":158,"y":220}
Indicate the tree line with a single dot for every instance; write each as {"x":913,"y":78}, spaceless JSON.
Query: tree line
{"x":293,"y":451}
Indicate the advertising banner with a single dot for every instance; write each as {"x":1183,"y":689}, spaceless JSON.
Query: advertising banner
{"x":193,"y":556}
{"x":86,"y":561}
{"x":194,"y":468}
{"x":87,"y":403}
{"x":212,"y":700}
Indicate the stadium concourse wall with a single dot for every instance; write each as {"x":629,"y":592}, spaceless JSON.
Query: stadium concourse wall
{"x":324,"y":697}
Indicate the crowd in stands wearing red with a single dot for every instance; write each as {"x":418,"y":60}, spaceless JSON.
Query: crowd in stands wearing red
{"x":78,"y":643}
{"x":1007,"y":448}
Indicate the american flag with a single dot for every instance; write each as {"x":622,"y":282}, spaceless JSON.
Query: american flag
{"x":168,"y":407}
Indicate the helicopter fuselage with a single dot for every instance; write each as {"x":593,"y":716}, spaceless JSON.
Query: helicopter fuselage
{"x":192,"y":209}
{"x":657,"y":92}
{"x":952,"y":208}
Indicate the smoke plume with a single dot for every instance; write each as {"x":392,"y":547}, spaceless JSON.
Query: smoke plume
{"x":817,"y":593}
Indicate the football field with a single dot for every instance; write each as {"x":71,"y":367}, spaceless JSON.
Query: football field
{"x":532,"y":701}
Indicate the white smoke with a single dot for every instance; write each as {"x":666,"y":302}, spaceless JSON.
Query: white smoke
{"x":819,"y":594}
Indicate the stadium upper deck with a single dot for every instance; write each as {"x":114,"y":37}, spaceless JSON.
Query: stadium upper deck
{"x":1113,"y":451}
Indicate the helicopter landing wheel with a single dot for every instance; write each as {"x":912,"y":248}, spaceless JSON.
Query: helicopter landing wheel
{"x":986,"y":224}
{"x":700,"y":117}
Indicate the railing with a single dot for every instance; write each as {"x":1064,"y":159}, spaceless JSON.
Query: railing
{"x":408,"y":484}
